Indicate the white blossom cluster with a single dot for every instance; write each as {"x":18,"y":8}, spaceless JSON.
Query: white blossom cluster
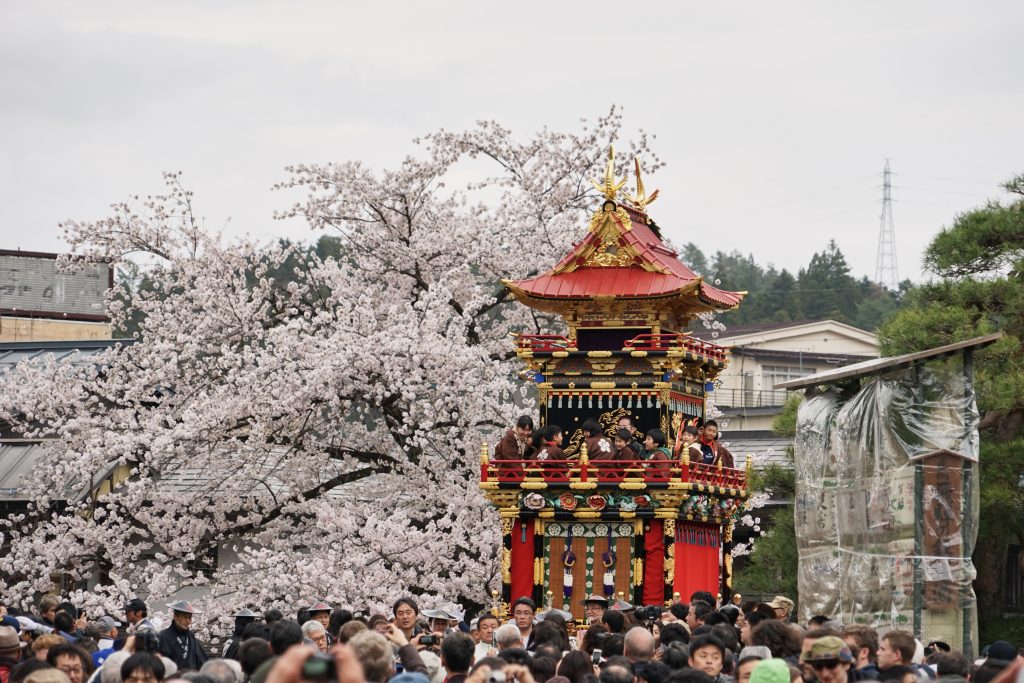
{"x":326,"y":431}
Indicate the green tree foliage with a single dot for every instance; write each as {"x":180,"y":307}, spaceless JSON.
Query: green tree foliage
{"x":980,"y":288}
{"x":824,"y":289}
{"x":772,"y":566}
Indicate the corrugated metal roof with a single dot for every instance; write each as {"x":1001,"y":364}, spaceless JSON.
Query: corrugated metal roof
{"x":16,"y":462}
{"x":82,"y":352}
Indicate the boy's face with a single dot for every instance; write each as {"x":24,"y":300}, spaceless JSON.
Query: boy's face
{"x":708,"y":659}
{"x":620,"y":443}
{"x":649,"y":443}
{"x":688,"y":438}
{"x":524,"y":432}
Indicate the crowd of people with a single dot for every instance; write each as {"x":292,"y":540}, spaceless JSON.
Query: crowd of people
{"x":699,"y":442}
{"x":695,"y":642}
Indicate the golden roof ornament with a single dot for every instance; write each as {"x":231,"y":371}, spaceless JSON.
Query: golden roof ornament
{"x":609,"y":188}
{"x":641,"y":200}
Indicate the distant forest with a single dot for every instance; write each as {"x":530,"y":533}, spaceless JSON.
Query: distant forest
{"x":823,"y":289}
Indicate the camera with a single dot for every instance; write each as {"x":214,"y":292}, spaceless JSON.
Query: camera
{"x":430,"y":639}
{"x":649,"y":613}
{"x":319,"y":667}
{"x":597,"y":656}
{"x":496,"y":677}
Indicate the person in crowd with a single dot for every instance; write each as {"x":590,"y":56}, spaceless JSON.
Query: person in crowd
{"x":712,"y":451}
{"x":639,"y":645}
{"x":406,"y":611}
{"x":178,"y":643}
{"x":745,"y":666}
{"x":11,"y":647}
{"x":614,"y":620}
{"x":41,"y":645}
{"x":896,"y":648}
{"x":47,"y":608}
{"x":320,"y":611}
{"x":749,"y":624}
{"x":315,"y":632}
{"x":377,"y":654}
{"x":782,"y":606}
{"x":523,"y":611}
{"x":659,"y":458}
{"x":863,"y":643}
{"x":507,"y":636}
{"x":634,"y":444}
{"x":950,"y":667}
{"x":72,"y":660}
{"x":688,"y":445}
{"x":142,"y":667}
{"x":576,"y":666}
{"x":548,"y":444}
{"x":107,"y":629}
{"x":707,"y":653}
{"x":64,"y":626}
{"x":778,"y":638}
{"x":252,"y":654}
{"x":243,"y":618}
{"x":598,"y":445}
{"x":622,"y":446}
{"x":517,"y":443}
{"x":445,"y":618}
{"x":222,"y":671}
{"x":457,"y":656}
{"x":283,"y":634}
{"x":135,"y":615}
{"x":487,"y":624}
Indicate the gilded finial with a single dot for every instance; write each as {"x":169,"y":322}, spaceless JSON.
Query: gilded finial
{"x":609,"y":188}
{"x":641,"y":200}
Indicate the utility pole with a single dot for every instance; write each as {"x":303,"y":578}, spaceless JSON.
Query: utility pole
{"x":886,"y":273}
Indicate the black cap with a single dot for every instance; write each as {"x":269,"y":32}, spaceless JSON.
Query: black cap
{"x":135,"y":605}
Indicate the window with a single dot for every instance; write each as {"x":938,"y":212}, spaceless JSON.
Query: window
{"x":773,"y":374}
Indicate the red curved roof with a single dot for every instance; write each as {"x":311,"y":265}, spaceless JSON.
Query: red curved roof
{"x":669,"y":276}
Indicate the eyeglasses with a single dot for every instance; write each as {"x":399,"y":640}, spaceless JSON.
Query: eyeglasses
{"x":824,"y":664}
{"x":71,"y":669}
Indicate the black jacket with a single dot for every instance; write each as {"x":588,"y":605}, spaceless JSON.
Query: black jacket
{"x":182,"y":648}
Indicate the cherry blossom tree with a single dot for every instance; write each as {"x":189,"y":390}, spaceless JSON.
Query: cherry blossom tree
{"x":323,"y":433}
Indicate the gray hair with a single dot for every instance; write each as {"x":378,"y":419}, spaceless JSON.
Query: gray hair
{"x":311,"y":628}
{"x":508,"y":636}
{"x":223,"y":671}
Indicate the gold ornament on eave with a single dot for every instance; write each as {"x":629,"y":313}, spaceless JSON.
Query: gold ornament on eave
{"x":609,"y":188}
{"x":640,"y":200}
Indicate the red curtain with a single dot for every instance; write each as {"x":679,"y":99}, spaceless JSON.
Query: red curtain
{"x":697,"y":568}
{"x":522,"y":559}
{"x":654,"y":563}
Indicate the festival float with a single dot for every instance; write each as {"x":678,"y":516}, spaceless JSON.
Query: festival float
{"x":619,"y":529}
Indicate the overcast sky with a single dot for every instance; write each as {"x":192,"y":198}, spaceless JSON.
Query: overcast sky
{"x":775,"y":118}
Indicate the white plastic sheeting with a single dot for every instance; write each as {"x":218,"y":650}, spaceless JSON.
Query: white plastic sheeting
{"x":887,"y":502}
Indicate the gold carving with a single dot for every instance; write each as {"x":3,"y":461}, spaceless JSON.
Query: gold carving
{"x":506,"y":565}
{"x":506,"y":526}
{"x":728,"y":570}
{"x":640,"y":200}
{"x":609,"y":188}
{"x":611,"y":254}
{"x":670,"y":527}
{"x":670,"y":564}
